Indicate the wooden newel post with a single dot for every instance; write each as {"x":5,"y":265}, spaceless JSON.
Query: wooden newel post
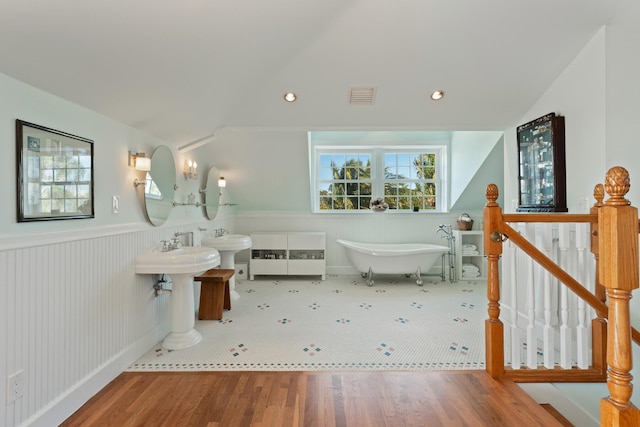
{"x":618,"y":272}
{"x":494,"y":329}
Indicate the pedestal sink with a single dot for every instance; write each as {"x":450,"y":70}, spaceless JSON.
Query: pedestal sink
{"x":228,"y":245}
{"x":182,"y":265}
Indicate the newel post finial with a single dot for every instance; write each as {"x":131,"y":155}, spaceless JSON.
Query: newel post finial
{"x":617,"y":184}
{"x":491,"y":194}
{"x":598,"y":194}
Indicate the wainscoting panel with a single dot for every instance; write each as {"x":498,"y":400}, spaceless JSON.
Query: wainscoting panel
{"x":69,"y":308}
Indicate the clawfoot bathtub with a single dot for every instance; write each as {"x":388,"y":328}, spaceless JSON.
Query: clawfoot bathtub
{"x":392,"y":258}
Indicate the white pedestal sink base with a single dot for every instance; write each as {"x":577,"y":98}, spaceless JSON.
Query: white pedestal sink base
{"x":227,"y":245}
{"x":179,"y":340}
{"x":227,"y":260}
{"x":183,"y":317}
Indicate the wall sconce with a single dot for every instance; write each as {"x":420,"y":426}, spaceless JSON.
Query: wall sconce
{"x":221,"y":184}
{"x":140,"y":161}
{"x":190,"y":170}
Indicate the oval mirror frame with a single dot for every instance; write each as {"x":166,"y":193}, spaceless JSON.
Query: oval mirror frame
{"x":160,"y":188}
{"x":211,"y":193}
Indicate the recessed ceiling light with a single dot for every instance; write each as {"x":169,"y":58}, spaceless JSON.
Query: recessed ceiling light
{"x":437,"y":95}
{"x":290,"y":97}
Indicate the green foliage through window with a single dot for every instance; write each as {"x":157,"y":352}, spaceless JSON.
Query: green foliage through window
{"x":407,"y":179}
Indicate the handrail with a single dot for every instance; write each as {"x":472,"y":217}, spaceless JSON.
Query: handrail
{"x":549,"y":217}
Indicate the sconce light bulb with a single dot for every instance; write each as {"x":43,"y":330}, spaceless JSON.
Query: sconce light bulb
{"x":190,"y":163}
{"x":143,"y":163}
{"x":195,"y":165}
{"x":222,"y":182}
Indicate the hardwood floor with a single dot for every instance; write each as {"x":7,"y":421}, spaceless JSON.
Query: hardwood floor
{"x":212,"y":399}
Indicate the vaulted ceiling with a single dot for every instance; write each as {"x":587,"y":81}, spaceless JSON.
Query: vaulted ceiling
{"x":183,"y":70}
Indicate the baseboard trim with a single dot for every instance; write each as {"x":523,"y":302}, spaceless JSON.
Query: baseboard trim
{"x":67,"y":403}
{"x":548,"y":393}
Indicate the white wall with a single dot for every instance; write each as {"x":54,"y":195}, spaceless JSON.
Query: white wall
{"x":579,"y":95}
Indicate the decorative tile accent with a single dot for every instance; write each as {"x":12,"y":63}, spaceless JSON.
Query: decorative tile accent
{"x":385,"y":349}
{"x":343,"y":321}
{"x":401,"y":320}
{"x":263,"y":306}
{"x":312,"y":349}
{"x":467,"y":305}
{"x":284,"y":321}
{"x":416,"y":305}
{"x":314,"y":306}
{"x":460,"y":320}
{"x":365,"y":306}
{"x":240,"y":348}
{"x":225,"y":321}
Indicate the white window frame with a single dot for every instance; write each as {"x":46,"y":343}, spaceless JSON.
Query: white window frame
{"x":377,"y":153}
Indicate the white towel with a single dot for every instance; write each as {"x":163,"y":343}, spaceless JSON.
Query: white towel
{"x":466,"y":252}
{"x":466,"y":273}
{"x":470,"y":268}
{"x":470,"y":247}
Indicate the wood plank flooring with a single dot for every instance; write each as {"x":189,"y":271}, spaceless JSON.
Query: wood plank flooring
{"x":361,"y":399}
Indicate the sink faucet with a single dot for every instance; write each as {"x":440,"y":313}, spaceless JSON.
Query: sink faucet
{"x":169,"y":245}
{"x":219,"y":232}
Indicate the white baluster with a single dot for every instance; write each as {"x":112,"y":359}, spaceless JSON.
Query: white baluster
{"x":582,"y":332}
{"x":532,"y":342}
{"x":514,"y":331}
{"x":565,"y":331}
{"x":547,"y":335}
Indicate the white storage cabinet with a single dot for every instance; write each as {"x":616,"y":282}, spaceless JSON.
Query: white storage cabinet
{"x":288,"y":254}
{"x":475,"y":238}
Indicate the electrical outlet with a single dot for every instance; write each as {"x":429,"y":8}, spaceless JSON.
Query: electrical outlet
{"x":15,"y":386}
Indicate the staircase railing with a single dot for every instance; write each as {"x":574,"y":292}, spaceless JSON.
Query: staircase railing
{"x":614,"y":229}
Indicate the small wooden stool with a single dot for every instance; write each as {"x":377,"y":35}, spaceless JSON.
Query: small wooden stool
{"x":214,"y":293}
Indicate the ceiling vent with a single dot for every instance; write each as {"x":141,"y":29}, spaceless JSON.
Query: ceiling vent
{"x":362,"y":95}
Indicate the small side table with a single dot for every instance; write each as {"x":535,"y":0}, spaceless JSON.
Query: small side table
{"x":214,"y":293}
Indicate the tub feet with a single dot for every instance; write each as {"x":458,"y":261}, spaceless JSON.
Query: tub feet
{"x":370,"y":277}
{"x":418,"y":278}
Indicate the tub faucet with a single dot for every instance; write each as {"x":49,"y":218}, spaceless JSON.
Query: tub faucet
{"x":446,"y":230}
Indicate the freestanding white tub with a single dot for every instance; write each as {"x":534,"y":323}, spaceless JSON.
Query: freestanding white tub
{"x":392,"y":258}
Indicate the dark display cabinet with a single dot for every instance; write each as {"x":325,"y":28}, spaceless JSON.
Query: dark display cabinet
{"x":542,"y":173}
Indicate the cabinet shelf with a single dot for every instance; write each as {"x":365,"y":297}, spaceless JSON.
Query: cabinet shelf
{"x":541,"y":165}
{"x":287,"y":254}
{"x":470,"y":261}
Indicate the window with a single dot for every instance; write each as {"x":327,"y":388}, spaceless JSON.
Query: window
{"x":407,"y":178}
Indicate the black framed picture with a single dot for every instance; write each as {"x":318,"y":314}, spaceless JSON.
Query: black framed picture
{"x":54,"y":174}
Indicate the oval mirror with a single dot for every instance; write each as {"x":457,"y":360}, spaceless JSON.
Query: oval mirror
{"x":211,"y":193}
{"x":160,"y":186}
